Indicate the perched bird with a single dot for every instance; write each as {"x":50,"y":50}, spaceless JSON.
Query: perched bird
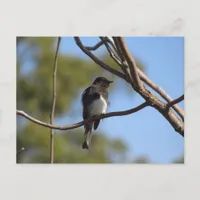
{"x":95,"y":102}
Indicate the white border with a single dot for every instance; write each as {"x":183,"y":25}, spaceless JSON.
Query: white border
{"x":104,"y":17}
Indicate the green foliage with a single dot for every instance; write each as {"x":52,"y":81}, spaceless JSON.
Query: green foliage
{"x":34,"y":96}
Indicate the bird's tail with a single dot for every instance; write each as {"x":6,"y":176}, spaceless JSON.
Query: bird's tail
{"x":87,"y":136}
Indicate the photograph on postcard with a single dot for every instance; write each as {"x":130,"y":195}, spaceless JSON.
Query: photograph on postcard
{"x":100,"y":100}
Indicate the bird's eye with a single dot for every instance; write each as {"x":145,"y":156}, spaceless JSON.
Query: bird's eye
{"x":105,"y":84}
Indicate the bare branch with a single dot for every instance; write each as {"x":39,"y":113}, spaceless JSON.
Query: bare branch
{"x":95,"y":46}
{"x":97,"y":61}
{"x":132,"y":64}
{"x":111,"y":51}
{"x":160,"y":106}
{"x":150,"y":83}
{"x":79,"y":124}
{"x":138,"y":84}
{"x":111,"y":42}
{"x":118,"y":46}
{"x":54,"y":102}
{"x":114,"y":55}
{"x":160,"y":91}
{"x":175,"y":101}
{"x":146,"y":80}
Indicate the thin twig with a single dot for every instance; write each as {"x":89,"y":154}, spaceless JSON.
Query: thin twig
{"x":111,"y":51}
{"x":118,"y":46}
{"x":111,"y":42}
{"x":79,"y":124}
{"x":114,"y":55}
{"x":53,"y":102}
{"x":175,"y":101}
{"x":95,"y":46}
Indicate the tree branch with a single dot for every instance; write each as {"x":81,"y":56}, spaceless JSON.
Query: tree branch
{"x":160,"y":91}
{"x":112,"y":52}
{"x":97,"y":61}
{"x":53,"y":102}
{"x":150,"y":98}
{"x":160,"y":106}
{"x":111,"y":41}
{"x":115,"y":56}
{"x":95,"y":46}
{"x":131,"y":64}
{"x":79,"y":124}
{"x":142,"y":76}
{"x":175,"y":101}
{"x":118,"y":46}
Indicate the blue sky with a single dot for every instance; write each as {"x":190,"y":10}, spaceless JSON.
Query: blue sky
{"x":146,"y":132}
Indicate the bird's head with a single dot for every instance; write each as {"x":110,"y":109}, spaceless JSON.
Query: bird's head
{"x":102,"y":82}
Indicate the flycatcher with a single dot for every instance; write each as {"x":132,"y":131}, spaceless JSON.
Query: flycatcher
{"x":95,"y":102}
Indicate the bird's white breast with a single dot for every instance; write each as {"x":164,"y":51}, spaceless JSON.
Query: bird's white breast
{"x":98,"y":107}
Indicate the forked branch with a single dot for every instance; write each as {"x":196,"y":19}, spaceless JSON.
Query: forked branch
{"x":124,"y":66}
{"x":137,"y":83}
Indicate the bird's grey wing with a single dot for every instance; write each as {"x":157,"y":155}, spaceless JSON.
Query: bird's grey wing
{"x":88,"y":96}
{"x":85,"y":102}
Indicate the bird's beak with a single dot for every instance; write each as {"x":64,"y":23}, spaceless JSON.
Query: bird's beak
{"x":110,"y":82}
